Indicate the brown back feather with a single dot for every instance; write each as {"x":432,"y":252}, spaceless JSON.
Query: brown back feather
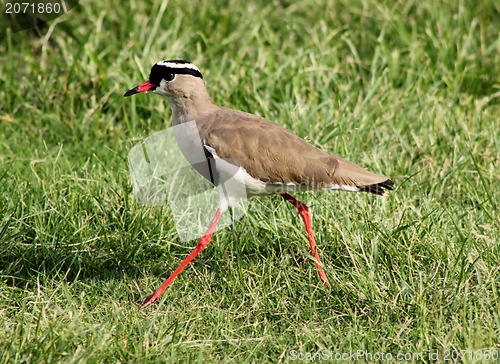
{"x":274,"y":154}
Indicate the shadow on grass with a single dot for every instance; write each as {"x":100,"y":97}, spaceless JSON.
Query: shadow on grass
{"x":23,"y":262}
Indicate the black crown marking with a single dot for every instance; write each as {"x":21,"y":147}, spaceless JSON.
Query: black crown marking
{"x":165,"y":70}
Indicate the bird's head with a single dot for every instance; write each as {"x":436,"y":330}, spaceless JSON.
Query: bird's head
{"x":172,"y":79}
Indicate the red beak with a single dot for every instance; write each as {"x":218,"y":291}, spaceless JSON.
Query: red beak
{"x":143,"y":87}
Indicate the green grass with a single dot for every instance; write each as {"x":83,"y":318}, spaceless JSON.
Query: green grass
{"x":408,"y":89}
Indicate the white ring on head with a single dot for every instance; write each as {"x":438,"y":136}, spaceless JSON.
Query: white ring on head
{"x":178,"y":65}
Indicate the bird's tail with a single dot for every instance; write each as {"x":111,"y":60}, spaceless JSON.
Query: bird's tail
{"x":381,"y":188}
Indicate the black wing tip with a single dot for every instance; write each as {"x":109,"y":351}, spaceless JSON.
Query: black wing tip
{"x":380,"y":189}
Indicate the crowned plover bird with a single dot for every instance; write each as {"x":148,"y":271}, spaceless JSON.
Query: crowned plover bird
{"x":272,"y":159}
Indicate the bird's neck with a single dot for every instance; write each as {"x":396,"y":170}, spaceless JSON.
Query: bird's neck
{"x":190,"y":106}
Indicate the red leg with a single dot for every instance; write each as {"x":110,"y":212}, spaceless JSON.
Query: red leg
{"x":202,"y":244}
{"x":306,"y":216}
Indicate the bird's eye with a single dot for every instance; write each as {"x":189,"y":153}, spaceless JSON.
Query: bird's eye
{"x":169,"y":77}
